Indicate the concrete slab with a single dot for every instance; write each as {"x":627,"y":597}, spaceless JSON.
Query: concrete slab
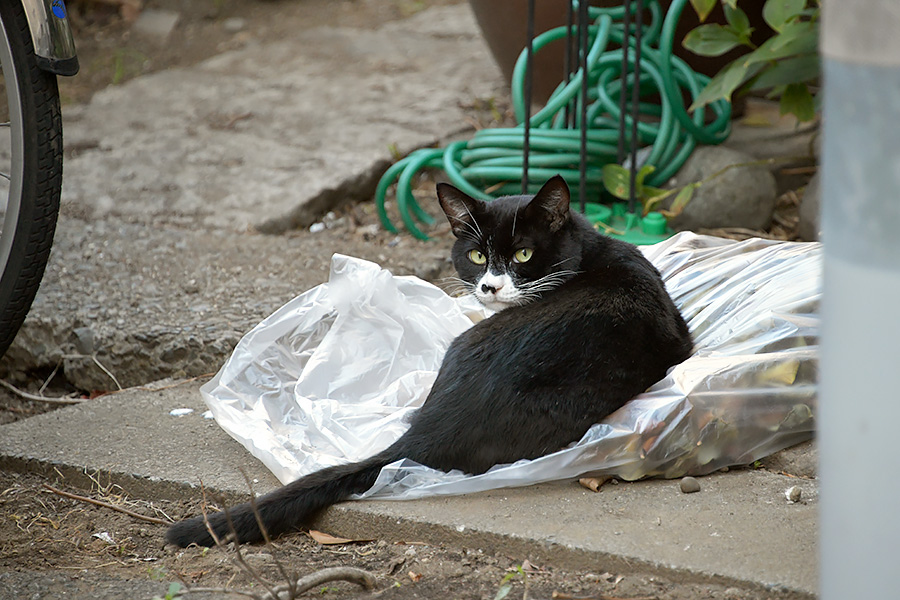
{"x":273,"y":135}
{"x":739,"y":528}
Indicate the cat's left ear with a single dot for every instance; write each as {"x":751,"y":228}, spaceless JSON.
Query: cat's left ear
{"x":551,"y":203}
{"x":459,"y":208}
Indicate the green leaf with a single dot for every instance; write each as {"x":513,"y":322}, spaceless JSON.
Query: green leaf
{"x":797,"y":100}
{"x":777,"y":13}
{"x":703,"y":8}
{"x":739,"y":22}
{"x":654,"y":196}
{"x":790,"y":70}
{"x":655,"y":193}
{"x":641,"y":175}
{"x":682,"y":198}
{"x":727,"y":80}
{"x":731,"y":3}
{"x":795,"y":38}
{"x":617,"y":180}
{"x":776,"y":92}
{"x":174,"y":588}
{"x":711,"y":40}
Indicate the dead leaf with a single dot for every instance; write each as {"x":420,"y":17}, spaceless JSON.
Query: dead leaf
{"x":594,"y":483}
{"x":530,"y":567}
{"x":328,"y":540}
{"x":414,"y":576}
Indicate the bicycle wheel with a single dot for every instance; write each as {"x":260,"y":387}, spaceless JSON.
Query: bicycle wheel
{"x":30,"y":169}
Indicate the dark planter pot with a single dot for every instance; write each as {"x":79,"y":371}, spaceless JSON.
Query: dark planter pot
{"x":503,"y":24}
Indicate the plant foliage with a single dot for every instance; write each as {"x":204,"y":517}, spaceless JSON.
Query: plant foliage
{"x":787,"y":64}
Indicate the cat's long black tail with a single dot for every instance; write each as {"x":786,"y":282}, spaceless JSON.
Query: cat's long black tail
{"x":285,"y":509}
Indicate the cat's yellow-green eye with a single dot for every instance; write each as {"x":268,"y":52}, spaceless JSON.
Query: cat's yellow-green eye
{"x":477,"y":257}
{"x":523,"y":255}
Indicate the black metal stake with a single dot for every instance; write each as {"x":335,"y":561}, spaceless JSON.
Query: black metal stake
{"x":583,"y":40}
{"x":567,"y":65}
{"x":529,"y":74}
{"x":635,"y":104}
{"x":626,"y":34}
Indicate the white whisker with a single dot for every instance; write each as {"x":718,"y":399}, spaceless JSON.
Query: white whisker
{"x":562,"y":261}
{"x":454,"y":286}
{"x":471,"y":216}
{"x":547,"y":282}
{"x":475,"y":234}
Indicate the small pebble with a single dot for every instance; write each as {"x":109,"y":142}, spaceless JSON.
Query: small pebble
{"x":793,"y":494}
{"x":191,"y":287}
{"x":234,"y":24}
{"x":689,"y":485}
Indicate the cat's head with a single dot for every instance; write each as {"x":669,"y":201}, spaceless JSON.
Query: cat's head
{"x":512,"y":249}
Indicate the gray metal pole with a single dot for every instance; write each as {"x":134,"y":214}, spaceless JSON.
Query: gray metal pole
{"x":859,"y":409}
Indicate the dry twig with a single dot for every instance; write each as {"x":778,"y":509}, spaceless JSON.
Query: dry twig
{"x":105,"y":505}
{"x":351,"y":574}
{"x":36,"y":398}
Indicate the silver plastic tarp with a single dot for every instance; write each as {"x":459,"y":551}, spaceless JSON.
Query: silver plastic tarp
{"x":333,"y":375}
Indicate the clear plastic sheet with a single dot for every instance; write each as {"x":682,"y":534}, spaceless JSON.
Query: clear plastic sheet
{"x":333,"y":375}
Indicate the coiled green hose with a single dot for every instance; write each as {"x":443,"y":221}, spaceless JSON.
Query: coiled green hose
{"x":493,"y":160}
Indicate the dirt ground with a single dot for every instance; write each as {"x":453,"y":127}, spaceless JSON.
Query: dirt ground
{"x":53,"y":546}
{"x":87,"y":551}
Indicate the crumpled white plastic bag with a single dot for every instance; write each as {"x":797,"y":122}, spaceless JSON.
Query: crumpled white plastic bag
{"x":332,"y":376}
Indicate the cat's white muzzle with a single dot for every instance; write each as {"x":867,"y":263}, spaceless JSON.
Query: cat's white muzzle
{"x":497,"y":291}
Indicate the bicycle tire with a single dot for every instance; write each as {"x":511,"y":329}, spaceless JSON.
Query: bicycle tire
{"x":36,"y":134}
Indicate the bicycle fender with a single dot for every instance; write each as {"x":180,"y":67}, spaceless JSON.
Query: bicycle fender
{"x":54,"y":45}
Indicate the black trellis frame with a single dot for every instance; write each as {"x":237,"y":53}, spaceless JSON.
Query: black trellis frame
{"x":631,"y":109}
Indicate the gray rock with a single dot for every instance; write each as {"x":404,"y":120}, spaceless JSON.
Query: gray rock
{"x":743,"y":196}
{"x":84,"y":340}
{"x":810,"y":227}
{"x":689,"y":485}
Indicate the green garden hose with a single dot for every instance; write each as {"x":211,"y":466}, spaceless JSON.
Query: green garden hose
{"x":493,"y":158}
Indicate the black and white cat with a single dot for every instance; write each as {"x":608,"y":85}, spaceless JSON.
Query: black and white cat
{"x":586,"y":324}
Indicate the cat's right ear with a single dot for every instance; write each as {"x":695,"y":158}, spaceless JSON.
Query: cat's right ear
{"x":460,"y":210}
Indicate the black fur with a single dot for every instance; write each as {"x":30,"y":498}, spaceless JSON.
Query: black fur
{"x":523,"y":383}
